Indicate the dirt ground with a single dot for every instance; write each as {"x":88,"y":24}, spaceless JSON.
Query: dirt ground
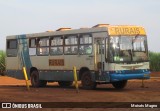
{"x":13,"y":90}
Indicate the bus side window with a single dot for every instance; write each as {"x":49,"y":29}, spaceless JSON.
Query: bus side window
{"x":71,"y":45}
{"x":43,"y":46}
{"x":85,"y":46}
{"x":12,"y":48}
{"x":32,"y":46}
{"x":56,"y":46}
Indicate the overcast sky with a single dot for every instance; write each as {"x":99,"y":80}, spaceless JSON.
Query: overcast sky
{"x":32,"y":16}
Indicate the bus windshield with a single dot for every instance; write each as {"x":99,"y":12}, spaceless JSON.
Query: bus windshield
{"x":128,"y":49}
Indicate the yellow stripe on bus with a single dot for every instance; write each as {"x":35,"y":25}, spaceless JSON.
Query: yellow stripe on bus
{"x":126,"y":30}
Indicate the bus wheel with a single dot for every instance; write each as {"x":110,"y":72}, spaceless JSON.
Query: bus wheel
{"x":35,"y":80}
{"x":65,"y":83}
{"x":87,"y":82}
{"x":119,"y":84}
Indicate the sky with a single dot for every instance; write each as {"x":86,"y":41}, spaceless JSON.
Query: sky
{"x":33,"y":16}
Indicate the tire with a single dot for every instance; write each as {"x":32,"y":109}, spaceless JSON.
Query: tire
{"x":119,"y":84}
{"x":87,"y":82}
{"x":35,"y":80}
{"x":2,"y":73}
{"x":65,"y":83}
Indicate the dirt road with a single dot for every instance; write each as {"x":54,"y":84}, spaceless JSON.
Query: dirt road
{"x":13,"y":90}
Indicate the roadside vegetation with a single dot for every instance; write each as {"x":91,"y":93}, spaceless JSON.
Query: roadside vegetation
{"x":154,"y":61}
{"x":2,"y":62}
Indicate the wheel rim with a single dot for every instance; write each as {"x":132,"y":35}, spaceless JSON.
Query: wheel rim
{"x":87,"y":81}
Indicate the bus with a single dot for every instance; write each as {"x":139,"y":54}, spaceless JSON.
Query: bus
{"x":102,"y":54}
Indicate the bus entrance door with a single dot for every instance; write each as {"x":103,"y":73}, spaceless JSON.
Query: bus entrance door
{"x":99,"y":54}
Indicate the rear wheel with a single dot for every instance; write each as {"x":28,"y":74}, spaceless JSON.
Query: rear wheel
{"x":35,"y":80}
{"x":87,"y":82}
{"x":65,"y":83}
{"x":119,"y":84}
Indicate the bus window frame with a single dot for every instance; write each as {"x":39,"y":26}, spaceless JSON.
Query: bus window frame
{"x":38,"y":46}
{"x":52,"y":46}
{"x":8,"y":49}
{"x":71,"y":45}
{"x":8,"y":42}
{"x":107,"y":49}
{"x":89,"y":44}
{"x":33,"y":48}
{"x":30,"y":42}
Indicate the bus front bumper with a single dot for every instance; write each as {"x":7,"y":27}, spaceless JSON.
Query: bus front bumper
{"x":120,"y":77}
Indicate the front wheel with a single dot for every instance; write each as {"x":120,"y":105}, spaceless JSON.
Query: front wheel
{"x":119,"y":84}
{"x":35,"y":80}
{"x":87,"y":82}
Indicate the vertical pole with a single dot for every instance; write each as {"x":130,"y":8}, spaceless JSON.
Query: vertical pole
{"x":26,"y":78}
{"x":75,"y":79}
{"x":142,"y":83}
{"x":95,"y":57}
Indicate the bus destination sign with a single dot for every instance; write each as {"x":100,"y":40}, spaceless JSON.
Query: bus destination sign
{"x":56,"y":62}
{"x":126,"y":30}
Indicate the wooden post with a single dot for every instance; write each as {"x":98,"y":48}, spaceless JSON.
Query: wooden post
{"x":75,"y":79}
{"x":142,"y":83}
{"x":26,"y":78}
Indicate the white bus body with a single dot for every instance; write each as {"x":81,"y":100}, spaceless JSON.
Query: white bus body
{"x":105,"y":54}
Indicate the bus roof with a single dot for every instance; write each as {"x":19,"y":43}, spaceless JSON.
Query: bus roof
{"x":64,"y":32}
{"x":112,"y":30}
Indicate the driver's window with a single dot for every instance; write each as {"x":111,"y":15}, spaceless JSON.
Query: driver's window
{"x":138,"y":44}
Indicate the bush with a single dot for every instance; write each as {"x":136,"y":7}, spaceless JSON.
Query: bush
{"x":2,"y":62}
{"x":154,"y":61}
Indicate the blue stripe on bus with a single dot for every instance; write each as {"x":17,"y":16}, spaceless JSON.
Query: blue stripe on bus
{"x":23,"y":51}
{"x":120,"y":77}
